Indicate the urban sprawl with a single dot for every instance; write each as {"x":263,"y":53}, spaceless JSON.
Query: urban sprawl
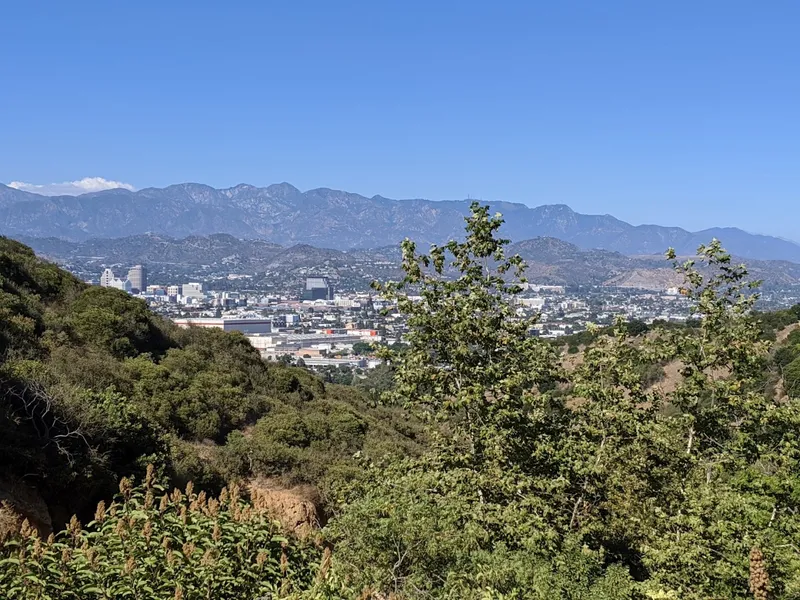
{"x":319,"y":328}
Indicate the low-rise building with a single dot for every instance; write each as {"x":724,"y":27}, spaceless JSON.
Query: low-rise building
{"x":247,"y":326}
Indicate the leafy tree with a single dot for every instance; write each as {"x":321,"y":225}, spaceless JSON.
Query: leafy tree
{"x":729,"y":443}
{"x":472,"y":511}
{"x":362,"y":348}
{"x":636,"y":327}
{"x":688,"y":494}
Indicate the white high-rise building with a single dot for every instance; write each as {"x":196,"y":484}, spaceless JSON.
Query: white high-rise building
{"x":106,"y":278}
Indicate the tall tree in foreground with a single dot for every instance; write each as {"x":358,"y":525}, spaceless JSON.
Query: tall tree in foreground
{"x":734,"y":487}
{"x":480,"y":513}
{"x":590,"y":483}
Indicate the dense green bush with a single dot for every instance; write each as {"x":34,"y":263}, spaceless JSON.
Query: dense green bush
{"x":527,"y":480}
{"x":154,"y":544}
{"x":93,"y":386}
{"x":116,"y":322}
{"x":318,"y":442}
{"x":791,"y":378}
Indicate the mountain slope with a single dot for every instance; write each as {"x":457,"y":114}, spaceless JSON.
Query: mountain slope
{"x":341,"y":220}
{"x":151,"y":248}
{"x":554,"y":261}
{"x":550,"y":260}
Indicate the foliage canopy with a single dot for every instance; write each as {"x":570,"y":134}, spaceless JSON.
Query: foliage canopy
{"x":530,"y":479}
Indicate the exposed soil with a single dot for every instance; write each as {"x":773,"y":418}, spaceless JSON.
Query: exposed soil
{"x":297,"y":508}
{"x":784,"y":333}
{"x":19,"y":501}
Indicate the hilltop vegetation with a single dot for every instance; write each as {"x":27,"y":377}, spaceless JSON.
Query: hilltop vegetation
{"x":94,"y":386}
{"x":531,"y":480}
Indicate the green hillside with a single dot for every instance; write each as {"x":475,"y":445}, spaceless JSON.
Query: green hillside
{"x":95,"y":387}
{"x":523,"y":473}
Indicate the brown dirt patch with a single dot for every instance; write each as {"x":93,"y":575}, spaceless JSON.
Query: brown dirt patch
{"x":19,"y":501}
{"x":205,"y":450}
{"x":295,"y":507}
{"x":672,"y":377}
{"x":780,"y":394}
{"x":784,"y":333}
{"x":571,"y":362}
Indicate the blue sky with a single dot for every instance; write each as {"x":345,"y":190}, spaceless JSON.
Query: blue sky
{"x":676,"y":113}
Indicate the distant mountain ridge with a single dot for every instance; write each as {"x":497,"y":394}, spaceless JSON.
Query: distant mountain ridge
{"x":282,"y":214}
{"x":549,"y":260}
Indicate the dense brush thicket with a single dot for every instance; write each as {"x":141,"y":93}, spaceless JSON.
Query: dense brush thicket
{"x":662,"y":462}
{"x":153,"y":543}
{"x":93,"y":386}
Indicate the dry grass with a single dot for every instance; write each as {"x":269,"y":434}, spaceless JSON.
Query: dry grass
{"x":784,"y":333}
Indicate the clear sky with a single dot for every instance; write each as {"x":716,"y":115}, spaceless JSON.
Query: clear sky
{"x":677,"y":113}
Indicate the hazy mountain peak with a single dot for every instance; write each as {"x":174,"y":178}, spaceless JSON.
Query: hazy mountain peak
{"x":555,"y":208}
{"x":283,"y":187}
{"x":239,"y":187}
{"x":555,"y":211}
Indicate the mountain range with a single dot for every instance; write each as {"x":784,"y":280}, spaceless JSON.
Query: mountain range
{"x":322,"y":217}
{"x":549,"y":260}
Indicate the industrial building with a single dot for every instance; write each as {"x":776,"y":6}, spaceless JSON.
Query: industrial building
{"x":274,"y":346}
{"x":192,"y":290}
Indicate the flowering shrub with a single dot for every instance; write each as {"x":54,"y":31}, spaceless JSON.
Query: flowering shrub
{"x":151,"y":544}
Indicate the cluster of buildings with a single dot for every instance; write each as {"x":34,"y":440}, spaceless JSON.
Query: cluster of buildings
{"x":275,"y":341}
{"x":570,"y":311}
{"x":315,"y":326}
{"x":321,"y":328}
{"x":186,"y":293}
{"x":316,"y":289}
{"x":191,"y":293}
{"x":134,"y":283}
